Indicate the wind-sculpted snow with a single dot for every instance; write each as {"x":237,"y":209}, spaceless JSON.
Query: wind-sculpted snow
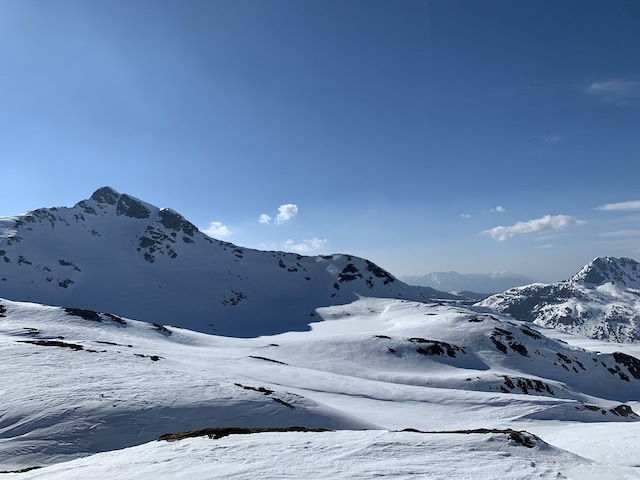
{"x":84,"y":381}
{"x":331,"y":455}
{"x":116,"y":253}
{"x":601,"y":301}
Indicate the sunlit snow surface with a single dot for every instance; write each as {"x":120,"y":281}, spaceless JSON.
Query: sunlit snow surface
{"x":77,"y":383}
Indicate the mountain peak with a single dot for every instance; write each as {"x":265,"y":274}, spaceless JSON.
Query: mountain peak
{"x":105,"y":195}
{"x":601,"y":270}
{"x":114,"y":252}
{"x":600,"y":301}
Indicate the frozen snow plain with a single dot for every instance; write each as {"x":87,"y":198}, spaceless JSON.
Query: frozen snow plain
{"x":86,"y":395}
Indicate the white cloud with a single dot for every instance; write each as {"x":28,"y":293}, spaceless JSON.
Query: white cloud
{"x":548,"y":222}
{"x":618,"y":91}
{"x":498,"y":209}
{"x":621,"y":233}
{"x":465,"y":215}
{"x":632,"y":205}
{"x":306,"y":246}
{"x":217,"y":229}
{"x":286,"y":212}
{"x":264,"y":218}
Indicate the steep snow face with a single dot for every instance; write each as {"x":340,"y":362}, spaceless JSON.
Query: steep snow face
{"x":601,"y":301}
{"x":84,"y":382}
{"x":114,"y":252}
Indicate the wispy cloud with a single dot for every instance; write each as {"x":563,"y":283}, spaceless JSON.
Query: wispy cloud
{"x":545,"y":223}
{"x":264,"y":218}
{"x":465,"y":215}
{"x":285,"y":213}
{"x":306,"y":246}
{"x":553,"y":138}
{"x":625,"y":206}
{"x":217,"y":229}
{"x":621,"y":233}
{"x":621,"y":92}
{"x":498,"y":209}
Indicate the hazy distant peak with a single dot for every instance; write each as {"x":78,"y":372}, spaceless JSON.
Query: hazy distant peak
{"x":474,"y":282}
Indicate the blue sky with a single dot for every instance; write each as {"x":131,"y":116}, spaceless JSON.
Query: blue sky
{"x":423,"y":135}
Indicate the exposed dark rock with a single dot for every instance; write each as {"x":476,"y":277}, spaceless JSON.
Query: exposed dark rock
{"x":531,"y":333}
{"x":177,"y":222}
{"x":436,"y":347}
{"x":527,"y":384}
{"x":267,"y":359}
{"x":162,"y":329}
{"x":105,"y":195}
{"x":282,"y":402}
{"x":82,"y":313}
{"x":379,"y":272}
{"x":349,"y":273}
{"x":53,"y":343}
{"x":632,"y":363}
{"x":499,"y":345}
{"x":519,"y":348}
{"x":130,"y":207}
{"x":219,"y":432}
{"x":521,"y":437}
{"x":262,"y":390}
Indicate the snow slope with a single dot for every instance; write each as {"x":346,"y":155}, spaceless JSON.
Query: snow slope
{"x":347,"y":454}
{"x":601,"y":301}
{"x":81,"y":382}
{"x":113,"y":252}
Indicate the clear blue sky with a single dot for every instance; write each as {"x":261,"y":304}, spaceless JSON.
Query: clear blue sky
{"x":405,"y":131}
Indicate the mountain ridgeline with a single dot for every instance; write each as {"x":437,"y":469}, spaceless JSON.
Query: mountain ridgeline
{"x":601,"y":301}
{"x":116,"y":253}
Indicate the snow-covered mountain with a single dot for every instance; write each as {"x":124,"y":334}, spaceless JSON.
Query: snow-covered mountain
{"x":346,"y":371}
{"x":470,"y":282}
{"x":601,"y":301}
{"x":115,"y":253}
{"x":80,"y":382}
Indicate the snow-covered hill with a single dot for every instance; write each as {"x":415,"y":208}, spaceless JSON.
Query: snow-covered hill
{"x":601,"y":301}
{"x":116,"y":253}
{"x":81,"y":382}
{"x":471,"y":282}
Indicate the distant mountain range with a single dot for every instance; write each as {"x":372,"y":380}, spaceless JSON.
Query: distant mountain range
{"x":116,"y":253}
{"x":601,"y":301}
{"x":486,"y":283}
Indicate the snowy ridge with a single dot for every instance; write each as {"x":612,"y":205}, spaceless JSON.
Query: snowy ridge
{"x":84,"y":382}
{"x":601,"y":301}
{"x":116,"y":253}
